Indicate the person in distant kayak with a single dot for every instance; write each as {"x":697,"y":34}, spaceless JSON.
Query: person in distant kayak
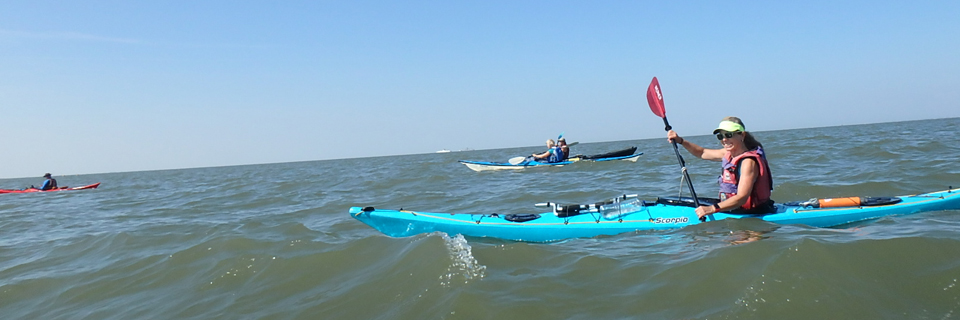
{"x":745,"y":178}
{"x":553,"y":153}
{"x":562,"y":143}
{"x":50,"y":183}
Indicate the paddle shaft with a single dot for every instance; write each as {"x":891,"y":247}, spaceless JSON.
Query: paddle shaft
{"x":655,"y":101}
{"x":683,"y":166}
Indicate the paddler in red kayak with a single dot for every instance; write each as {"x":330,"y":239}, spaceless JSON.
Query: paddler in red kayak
{"x":745,"y":178}
{"x":49,"y":184}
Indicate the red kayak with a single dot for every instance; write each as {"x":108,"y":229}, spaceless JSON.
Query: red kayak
{"x":28,"y":190}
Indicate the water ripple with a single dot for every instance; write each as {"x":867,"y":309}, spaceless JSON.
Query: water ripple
{"x":275,"y":241}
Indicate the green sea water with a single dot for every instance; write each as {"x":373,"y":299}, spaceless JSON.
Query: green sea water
{"x":275,"y":241}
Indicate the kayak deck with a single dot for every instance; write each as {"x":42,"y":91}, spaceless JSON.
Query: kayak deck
{"x":656,"y":215}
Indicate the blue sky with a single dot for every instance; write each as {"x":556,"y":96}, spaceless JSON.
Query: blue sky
{"x":111,"y":86}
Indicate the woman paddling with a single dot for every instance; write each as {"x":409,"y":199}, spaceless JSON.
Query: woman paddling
{"x":553,"y":153}
{"x":745,"y":178}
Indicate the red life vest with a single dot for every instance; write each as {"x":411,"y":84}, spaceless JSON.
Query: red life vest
{"x":729,"y":180}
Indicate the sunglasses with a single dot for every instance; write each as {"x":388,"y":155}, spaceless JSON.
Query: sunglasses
{"x":727,"y":135}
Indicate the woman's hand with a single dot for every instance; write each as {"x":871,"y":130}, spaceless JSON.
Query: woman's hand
{"x":673,"y":137}
{"x":704,"y":211}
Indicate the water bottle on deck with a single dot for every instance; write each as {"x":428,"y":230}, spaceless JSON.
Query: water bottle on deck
{"x":619,"y":208}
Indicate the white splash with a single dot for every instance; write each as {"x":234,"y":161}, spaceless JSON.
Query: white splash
{"x":463,"y":262}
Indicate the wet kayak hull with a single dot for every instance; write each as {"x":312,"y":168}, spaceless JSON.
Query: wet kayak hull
{"x":31,"y":190}
{"x":490,"y":166}
{"x":547,"y":226}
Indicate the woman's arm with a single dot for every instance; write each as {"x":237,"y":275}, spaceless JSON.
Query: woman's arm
{"x":696,"y":150}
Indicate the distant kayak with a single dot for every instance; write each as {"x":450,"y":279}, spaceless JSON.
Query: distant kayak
{"x":624,"y":154}
{"x":29,"y":190}
{"x":629,"y":214}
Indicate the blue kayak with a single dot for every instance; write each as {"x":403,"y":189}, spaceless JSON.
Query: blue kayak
{"x":629,"y":214}
{"x":625,"y":155}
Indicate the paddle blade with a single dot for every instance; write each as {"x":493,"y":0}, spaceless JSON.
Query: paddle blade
{"x":516,"y":160}
{"x":655,"y":98}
